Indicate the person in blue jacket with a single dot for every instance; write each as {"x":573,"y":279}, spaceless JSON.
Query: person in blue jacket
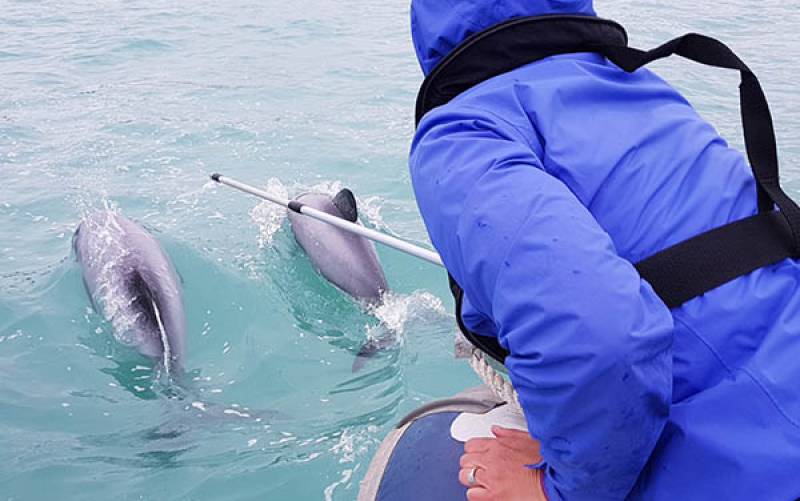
{"x":540,"y":187}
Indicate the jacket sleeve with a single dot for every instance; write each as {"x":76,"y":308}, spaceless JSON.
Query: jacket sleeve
{"x":589,"y":341}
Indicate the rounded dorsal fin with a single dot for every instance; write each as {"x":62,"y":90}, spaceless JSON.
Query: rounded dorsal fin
{"x":345,"y":201}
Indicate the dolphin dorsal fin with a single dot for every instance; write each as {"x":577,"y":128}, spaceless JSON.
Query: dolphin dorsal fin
{"x":345,"y":201}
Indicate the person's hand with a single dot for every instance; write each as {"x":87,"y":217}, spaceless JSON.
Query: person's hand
{"x":500,"y":467}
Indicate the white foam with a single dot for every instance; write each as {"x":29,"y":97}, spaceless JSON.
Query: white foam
{"x":199,"y":405}
{"x":370,"y":211}
{"x":234,"y":412}
{"x":350,"y":447}
{"x":346,"y":475}
{"x":330,"y":188}
{"x":396,"y":311}
{"x":269,"y":216}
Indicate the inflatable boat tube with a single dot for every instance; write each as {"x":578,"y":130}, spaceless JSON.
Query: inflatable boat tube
{"x":418,"y":460}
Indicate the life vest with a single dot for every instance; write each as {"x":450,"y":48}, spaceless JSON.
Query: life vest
{"x":692,"y":267}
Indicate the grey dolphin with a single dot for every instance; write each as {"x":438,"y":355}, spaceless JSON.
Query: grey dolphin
{"x":132,"y":282}
{"x":346,"y":260}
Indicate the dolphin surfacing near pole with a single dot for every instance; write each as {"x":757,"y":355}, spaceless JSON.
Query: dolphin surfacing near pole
{"x":327,"y":230}
{"x":132,"y":282}
{"x":347,"y":260}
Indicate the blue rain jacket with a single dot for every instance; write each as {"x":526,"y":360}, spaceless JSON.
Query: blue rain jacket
{"x":539,"y":188}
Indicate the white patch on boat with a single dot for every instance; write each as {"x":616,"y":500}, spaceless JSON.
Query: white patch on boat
{"x":467,"y":426}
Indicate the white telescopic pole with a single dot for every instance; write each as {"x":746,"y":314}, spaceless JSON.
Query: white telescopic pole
{"x":340,"y":223}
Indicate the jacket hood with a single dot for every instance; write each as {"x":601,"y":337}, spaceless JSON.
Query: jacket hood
{"x":438,"y":26}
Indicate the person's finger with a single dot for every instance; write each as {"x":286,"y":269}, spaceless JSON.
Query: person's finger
{"x":519,"y":441}
{"x":478,"y":444}
{"x":463,"y":476}
{"x":501,"y":432}
{"x":523,"y":445}
{"x":478,"y":494}
{"x":464,"y":473}
{"x":472,"y":459}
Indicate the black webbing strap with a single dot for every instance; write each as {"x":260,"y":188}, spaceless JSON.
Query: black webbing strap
{"x":759,"y":134}
{"x":703,"y":263}
{"x":707,"y":261}
{"x":486,"y":344}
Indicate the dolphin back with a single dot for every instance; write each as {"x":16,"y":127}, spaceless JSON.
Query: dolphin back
{"x":133,"y":284}
{"x":346,"y":260}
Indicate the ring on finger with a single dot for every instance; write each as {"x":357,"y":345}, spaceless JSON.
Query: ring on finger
{"x":471,"y":476}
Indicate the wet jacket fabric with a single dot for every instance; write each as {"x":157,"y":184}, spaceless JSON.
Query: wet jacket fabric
{"x":539,"y":188}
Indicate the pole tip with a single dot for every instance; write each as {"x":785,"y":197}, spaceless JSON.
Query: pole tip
{"x":215,"y":177}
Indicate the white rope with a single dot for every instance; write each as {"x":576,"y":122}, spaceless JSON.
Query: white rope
{"x":495,"y":381}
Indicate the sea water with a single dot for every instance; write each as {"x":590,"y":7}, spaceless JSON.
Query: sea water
{"x":129,"y":106}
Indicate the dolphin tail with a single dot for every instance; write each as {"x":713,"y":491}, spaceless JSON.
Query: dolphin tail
{"x":364,"y":354}
{"x":369,"y":350}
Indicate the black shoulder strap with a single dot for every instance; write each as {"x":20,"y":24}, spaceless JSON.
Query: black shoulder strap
{"x":759,"y":133}
{"x":486,"y":344}
{"x":707,"y":261}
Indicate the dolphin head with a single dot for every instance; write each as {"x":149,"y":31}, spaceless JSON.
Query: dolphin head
{"x":133,"y":284}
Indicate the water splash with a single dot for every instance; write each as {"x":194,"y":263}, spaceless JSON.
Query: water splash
{"x":344,"y":480}
{"x":326,"y":187}
{"x":394,"y":314}
{"x":192,"y":199}
{"x":370,"y":208}
{"x":350,"y":447}
{"x":269,"y":216}
{"x":396,"y":311}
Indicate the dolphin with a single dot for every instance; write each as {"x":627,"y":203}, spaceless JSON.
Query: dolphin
{"x":347,"y":260}
{"x":132,"y":282}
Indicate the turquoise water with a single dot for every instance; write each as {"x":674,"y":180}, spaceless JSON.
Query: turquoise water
{"x":130,"y":105}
